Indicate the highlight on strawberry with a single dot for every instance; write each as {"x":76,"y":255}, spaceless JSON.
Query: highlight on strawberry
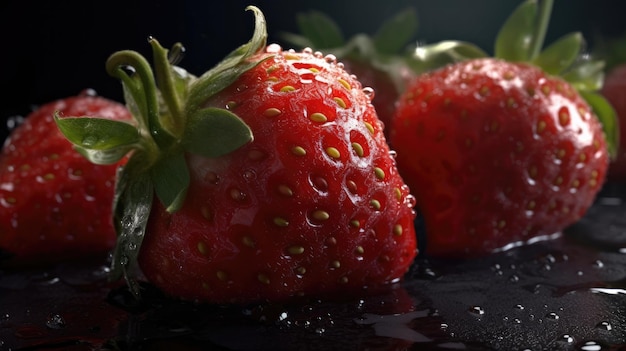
{"x":507,"y":150}
{"x":55,"y":205}
{"x":265,"y":178}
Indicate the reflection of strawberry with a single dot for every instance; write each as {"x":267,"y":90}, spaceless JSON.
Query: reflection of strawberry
{"x":499,"y":152}
{"x":379,"y":61}
{"x":614,"y":90}
{"x":272,"y":174}
{"x":54,"y":204}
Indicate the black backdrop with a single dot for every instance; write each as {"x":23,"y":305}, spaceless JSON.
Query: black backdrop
{"x":58,"y":48}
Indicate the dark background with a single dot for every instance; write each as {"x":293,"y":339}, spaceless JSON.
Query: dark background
{"x":59,"y":48}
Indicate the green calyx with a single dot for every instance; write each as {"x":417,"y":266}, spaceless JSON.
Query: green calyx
{"x":385,"y":50}
{"x":170,"y":120}
{"x":521,"y":39}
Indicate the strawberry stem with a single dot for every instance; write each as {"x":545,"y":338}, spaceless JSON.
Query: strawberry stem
{"x":543,"y":19}
{"x":166,"y":85}
{"x":133,"y":69}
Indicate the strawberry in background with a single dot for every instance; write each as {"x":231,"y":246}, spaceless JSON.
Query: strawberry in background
{"x":268,"y":177}
{"x":54,"y":204}
{"x":613,"y":52}
{"x":379,"y":61}
{"x":614,"y":90}
{"x":502,"y":151}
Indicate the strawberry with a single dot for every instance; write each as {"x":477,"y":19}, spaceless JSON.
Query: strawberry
{"x":380,"y":61}
{"x":55,"y":204}
{"x":271,"y":174}
{"x":500,"y":151}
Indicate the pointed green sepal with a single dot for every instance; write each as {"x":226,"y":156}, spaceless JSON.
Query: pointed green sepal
{"x":213,"y":132}
{"x":561,"y":54}
{"x":396,"y":33}
{"x":134,"y":198}
{"x":586,"y":75}
{"x":170,"y":176}
{"x":100,"y":140}
{"x":229,"y":69}
{"x":514,"y":41}
{"x":318,"y":30}
{"x":608,"y":118}
{"x":437,"y":55}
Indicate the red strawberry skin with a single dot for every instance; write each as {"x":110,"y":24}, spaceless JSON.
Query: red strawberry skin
{"x":614,"y":90}
{"x":55,"y":204}
{"x":313,"y":205}
{"x":496,"y":153}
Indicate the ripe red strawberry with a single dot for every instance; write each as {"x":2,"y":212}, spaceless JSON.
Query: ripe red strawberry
{"x":380,"y":61}
{"x":501,"y":153}
{"x":55,"y":204}
{"x":614,"y":90}
{"x":272,"y":174}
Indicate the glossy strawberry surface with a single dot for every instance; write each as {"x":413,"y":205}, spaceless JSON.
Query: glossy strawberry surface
{"x":313,"y":205}
{"x":55,"y":204}
{"x":497,"y":154}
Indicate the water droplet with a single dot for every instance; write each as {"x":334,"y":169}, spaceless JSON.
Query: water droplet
{"x":519,"y":307}
{"x":212,"y":178}
{"x":320,"y":330}
{"x":90,"y":140}
{"x":124,"y":260}
{"x":552,"y":316}
{"x":565,"y":339}
{"x":138,"y":231}
{"x":591,"y":346}
{"x":369,"y":93}
{"x":14,"y":121}
{"x":330,"y":58}
{"x":598,"y":264}
{"x":55,"y":321}
{"x":132,"y":246}
{"x":604,"y":325}
{"x":249,"y":175}
{"x":273,"y":49}
{"x":514,"y":278}
{"x":477,"y":310}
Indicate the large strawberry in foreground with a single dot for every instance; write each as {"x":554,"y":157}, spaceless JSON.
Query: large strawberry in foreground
{"x":271,"y":173}
{"x":54,"y":204}
{"x":501,"y":151}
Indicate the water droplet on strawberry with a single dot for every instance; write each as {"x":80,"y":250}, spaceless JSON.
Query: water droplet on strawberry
{"x":212,"y":178}
{"x":330,"y":58}
{"x":273,"y":49}
{"x":369,"y":92}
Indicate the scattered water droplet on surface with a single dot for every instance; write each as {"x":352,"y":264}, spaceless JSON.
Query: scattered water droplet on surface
{"x":605,"y":326}
{"x":552,"y":316}
{"x":55,"y":321}
{"x":476,"y":310}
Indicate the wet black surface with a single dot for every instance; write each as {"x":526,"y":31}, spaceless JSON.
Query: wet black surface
{"x":567,"y":293}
